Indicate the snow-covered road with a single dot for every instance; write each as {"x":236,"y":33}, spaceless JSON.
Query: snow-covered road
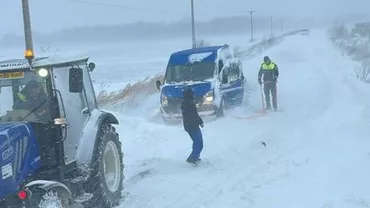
{"x":317,"y":152}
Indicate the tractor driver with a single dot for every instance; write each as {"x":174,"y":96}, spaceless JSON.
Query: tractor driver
{"x":33,"y":98}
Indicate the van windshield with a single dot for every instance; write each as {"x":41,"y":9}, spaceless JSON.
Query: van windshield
{"x":198,"y":71}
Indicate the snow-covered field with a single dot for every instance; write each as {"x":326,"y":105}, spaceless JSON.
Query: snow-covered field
{"x":317,"y":150}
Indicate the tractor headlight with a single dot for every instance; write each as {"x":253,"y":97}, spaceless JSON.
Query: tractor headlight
{"x":42,"y":72}
{"x":208,"y":97}
{"x":164,"y":100}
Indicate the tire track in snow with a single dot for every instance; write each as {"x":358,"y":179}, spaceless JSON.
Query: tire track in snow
{"x":219,"y":189}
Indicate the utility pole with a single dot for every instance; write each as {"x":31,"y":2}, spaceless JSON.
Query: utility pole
{"x":29,"y":54}
{"x":251,"y":14}
{"x":282,"y":25}
{"x":271,"y":26}
{"x":193,"y":24}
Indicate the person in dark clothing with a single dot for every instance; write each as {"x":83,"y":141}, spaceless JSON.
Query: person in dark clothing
{"x":191,"y":122}
{"x":270,"y":73}
{"x":33,"y":98}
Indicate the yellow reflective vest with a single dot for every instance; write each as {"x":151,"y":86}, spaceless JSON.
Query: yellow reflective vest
{"x":270,"y":66}
{"x":21,"y":97}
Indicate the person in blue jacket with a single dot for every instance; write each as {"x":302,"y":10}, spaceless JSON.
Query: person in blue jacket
{"x":191,"y":122}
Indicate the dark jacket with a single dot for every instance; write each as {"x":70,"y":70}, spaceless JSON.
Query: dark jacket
{"x":190,"y":116}
{"x":270,"y":72}
{"x":27,"y":101}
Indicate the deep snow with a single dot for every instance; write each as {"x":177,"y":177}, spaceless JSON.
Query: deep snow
{"x":317,"y":152}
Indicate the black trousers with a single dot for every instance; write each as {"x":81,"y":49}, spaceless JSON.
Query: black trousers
{"x":270,"y":87}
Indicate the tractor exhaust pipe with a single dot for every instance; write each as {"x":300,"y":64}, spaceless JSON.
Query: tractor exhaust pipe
{"x":29,"y":54}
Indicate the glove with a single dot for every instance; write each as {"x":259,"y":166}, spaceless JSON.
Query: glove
{"x":259,"y":81}
{"x":202,"y":125}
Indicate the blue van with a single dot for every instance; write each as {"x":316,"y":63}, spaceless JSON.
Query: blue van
{"x":214,"y":74}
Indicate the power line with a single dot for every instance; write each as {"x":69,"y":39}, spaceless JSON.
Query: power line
{"x":118,"y":6}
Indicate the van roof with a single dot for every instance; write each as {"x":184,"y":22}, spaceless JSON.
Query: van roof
{"x":199,"y":50}
{"x":205,"y":54}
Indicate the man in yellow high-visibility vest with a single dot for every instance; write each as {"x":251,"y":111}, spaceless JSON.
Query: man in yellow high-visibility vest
{"x":270,"y":73}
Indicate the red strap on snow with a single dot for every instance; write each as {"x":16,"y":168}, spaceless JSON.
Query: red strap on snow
{"x":259,"y":114}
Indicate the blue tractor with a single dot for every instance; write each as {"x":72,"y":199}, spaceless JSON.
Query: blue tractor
{"x":53,"y":137}
{"x":56,"y":146}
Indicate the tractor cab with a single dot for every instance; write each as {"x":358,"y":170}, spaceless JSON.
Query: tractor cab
{"x":33,"y":114}
{"x":37,"y":97}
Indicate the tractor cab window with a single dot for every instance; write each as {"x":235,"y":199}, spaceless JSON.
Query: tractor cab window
{"x":23,"y":97}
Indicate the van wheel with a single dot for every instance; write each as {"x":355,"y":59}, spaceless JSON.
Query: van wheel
{"x":107,"y":169}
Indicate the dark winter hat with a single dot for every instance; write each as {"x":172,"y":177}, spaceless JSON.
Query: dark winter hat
{"x":266,"y":59}
{"x":188,"y":92}
{"x":32,"y":84}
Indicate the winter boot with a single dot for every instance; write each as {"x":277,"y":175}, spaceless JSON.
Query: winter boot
{"x":268,"y":108}
{"x":192,"y":161}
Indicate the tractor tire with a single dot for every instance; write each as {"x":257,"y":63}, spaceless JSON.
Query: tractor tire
{"x":106,"y":176}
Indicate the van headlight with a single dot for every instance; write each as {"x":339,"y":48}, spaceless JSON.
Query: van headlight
{"x":208,"y":97}
{"x":164,"y":100}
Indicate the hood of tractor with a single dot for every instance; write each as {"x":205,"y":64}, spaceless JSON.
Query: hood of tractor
{"x":19,"y":156}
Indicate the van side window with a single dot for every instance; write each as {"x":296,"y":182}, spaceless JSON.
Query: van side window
{"x":233,"y":72}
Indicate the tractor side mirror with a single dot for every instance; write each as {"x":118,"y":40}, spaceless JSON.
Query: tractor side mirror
{"x":91,"y":66}
{"x":158,"y":83}
{"x":75,"y":80}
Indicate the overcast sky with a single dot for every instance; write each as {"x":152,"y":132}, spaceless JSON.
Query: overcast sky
{"x":51,"y":15}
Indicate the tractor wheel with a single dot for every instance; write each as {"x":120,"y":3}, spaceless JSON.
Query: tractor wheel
{"x":107,"y":169}
{"x":55,"y":197}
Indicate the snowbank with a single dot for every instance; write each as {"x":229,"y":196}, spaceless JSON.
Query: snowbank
{"x":354,"y":41}
{"x":132,"y":94}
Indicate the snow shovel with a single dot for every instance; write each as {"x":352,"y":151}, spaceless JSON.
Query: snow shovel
{"x":262,"y":101}
{"x":276,"y":97}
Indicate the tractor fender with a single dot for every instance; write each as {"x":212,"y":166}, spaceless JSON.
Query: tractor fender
{"x":88,"y":142}
{"x":60,"y":188}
